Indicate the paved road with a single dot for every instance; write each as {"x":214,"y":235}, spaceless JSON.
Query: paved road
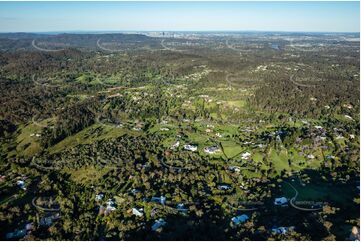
{"x":42,"y":49}
{"x":43,"y":84}
{"x":44,"y":209}
{"x":167,"y":48}
{"x":243,"y":209}
{"x":297,"y":207}
{"x":173,"y":167}
{"x":299,"y":84}
{"x":106,"y":49}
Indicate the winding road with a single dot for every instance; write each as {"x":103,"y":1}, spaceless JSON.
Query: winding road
{"x":42,"y":84}
{"x":44,"y":209}
{"x":167,"y":48}
{"x":293,"y":199}
{"x":106,"y":49}
{"x":299,"y":84}
{"x":42,"y":49}
{"x":173,"y":167}
{"x":242,"y":209}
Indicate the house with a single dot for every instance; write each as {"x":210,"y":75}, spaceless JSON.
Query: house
{"x":181,"y":207}
{"x":349,"y":117}
{"x":134,"y":191}
{"x":212,"y":149}
{"x":311,"y":156}
{"x":164,"y":129}
{"x":246,"y":155}
{"x":111,"y":205}
{"x":138,"y":212}
{"x":190,"y":147}
{"x":160,"y":200}
{"x":21,"y":184}
{"x":47,"y":221}
{"x":158,"y":224}
{"x":175,"y":145}
{"x":2,"y":178}
{"x":239,"y":219}
{"x":280,"y":201}
{"x":234,"y":168}
{"x":219,"y":135}
{"x":29,"y":226}
{"x":224,"y":187}
{"x":17,"y":234}
{"x":282,"y":230}
{"x":99,"y":196}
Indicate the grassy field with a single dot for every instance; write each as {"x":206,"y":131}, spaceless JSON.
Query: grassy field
{"x":86,"y":174}
{"x":231,"y":148}
{"x":320,"y":192}
{"x":89,"y":135}
{"x":27,"y":142}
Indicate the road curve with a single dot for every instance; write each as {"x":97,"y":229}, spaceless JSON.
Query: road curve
{"x":297,"y":207}
{"x":167,"y":48}
{"x":299,"y":84}
{"x":42,"y":49}
{"x":106,"y":49}
{"x":44,"y":209}
{"x":242,"y":209}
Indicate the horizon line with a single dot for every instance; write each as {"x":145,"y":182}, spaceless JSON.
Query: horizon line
{"x":174,"y":31}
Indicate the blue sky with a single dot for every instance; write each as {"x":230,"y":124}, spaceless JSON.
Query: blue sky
{"x":179,"y":16}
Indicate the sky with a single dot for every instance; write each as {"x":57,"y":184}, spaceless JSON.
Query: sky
{"x":180,"y":16}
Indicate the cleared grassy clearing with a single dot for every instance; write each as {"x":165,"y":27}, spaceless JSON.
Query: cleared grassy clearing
{"x":91,"y":134}
{"x":86,"y":174}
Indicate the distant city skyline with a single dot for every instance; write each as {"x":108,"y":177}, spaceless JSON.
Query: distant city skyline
{"x":179,"y":16}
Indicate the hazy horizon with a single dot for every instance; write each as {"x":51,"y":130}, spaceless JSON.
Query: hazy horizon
{"x":36,"y":17}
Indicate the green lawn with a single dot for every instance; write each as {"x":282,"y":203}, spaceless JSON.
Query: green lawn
{"x":89,"y":135}
{"x":231,"y":148}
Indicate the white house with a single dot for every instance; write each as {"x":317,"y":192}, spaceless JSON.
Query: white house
{"x":21,"y":184}
{"x":280,"y":201}
{"x":111,"y":205}
{"x":138,"y":212}
{"x":99,"y":196}
{"x":349,"y":117}
{"x":234,"y":168}
{"x":212,"y":149}
{"x":175,"y":145}
{"x":224,"y":187}
{"x":246,"y":155}
{"x":310,"y":156}
{"x":190,"y":147}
